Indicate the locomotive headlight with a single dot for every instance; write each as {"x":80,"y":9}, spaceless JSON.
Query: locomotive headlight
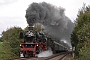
{"x":20,"y":44}
{"x":37,"y":44}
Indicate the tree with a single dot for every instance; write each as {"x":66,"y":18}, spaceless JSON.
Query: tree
{"x":80,"y":38}
{"x":11,"y":42}
{"x":1,"y":39}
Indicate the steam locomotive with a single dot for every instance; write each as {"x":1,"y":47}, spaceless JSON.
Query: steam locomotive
{"x":36,"y":42}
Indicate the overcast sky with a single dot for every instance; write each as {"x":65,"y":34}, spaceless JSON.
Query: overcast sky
{"x":12,"y":12}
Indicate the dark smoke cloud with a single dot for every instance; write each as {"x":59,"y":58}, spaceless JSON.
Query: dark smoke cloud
{"x":53,"y":19}
{"x":44,"y":13}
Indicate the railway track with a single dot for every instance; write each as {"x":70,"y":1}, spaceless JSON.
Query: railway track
{"x":59,"y":56}
{"x":27,"y":59}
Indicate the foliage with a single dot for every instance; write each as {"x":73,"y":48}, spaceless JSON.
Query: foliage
{"x":1,"y":39}
{"x":80,"y":38}
{"x":1,"y":50}
{"x":85,"y":53}
{"x":11,"y":42}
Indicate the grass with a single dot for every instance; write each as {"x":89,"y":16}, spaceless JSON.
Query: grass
{"x":1,"y":50}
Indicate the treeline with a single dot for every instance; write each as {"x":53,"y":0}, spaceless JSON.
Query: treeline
{"x":80,"y":38}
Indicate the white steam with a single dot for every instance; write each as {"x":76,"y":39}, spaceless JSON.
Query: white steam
{"x":45,"y":53}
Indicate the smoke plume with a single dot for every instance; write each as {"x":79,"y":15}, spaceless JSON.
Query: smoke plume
{"x":52,"y":18}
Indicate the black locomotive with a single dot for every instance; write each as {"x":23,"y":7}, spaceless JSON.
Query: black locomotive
{"x":36,"y":42}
